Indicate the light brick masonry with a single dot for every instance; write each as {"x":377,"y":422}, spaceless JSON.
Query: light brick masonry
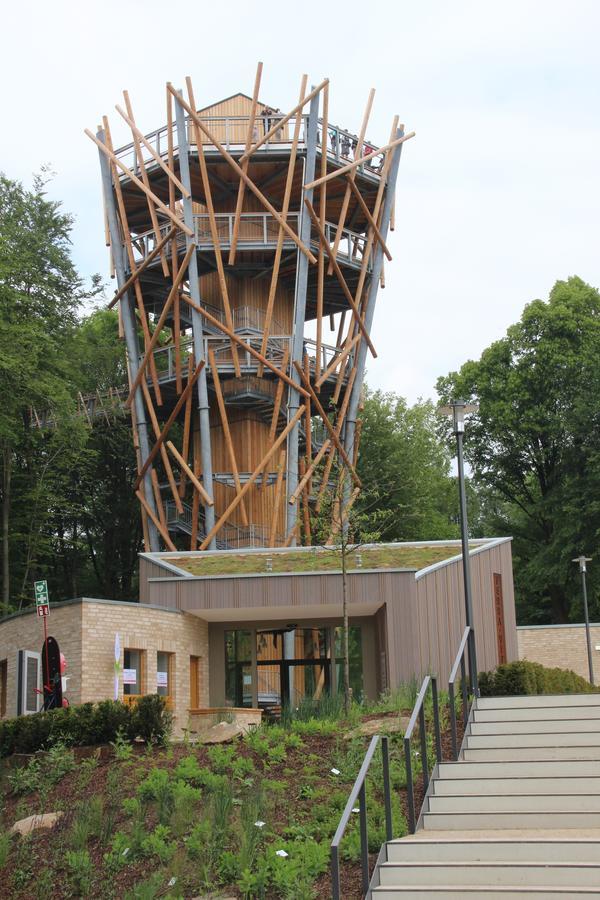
{"x":562,"y":646}
{"x":85,"y":630}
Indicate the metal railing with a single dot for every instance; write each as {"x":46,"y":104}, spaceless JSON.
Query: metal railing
{"x":256,"y":231}
{"x":460,"y":662}
{"x":231,"y":132}
{"x":358,"y":792}
{"x":165,"y":357}
{"x":419,"y":713}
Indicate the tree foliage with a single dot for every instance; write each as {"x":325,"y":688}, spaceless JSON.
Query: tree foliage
{"x":534,"y":445}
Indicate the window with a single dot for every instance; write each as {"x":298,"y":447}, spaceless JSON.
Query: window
{"x":134,"y":674}
{"x":29,"y":682}
{"x":238,"y":668}
{"x":3,"y":680}
{"x":194,"y":682}
{"x":164,"y":674}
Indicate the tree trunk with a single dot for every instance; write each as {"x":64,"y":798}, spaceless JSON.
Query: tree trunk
{"x":6,"y":488}
{"x":347,"y":692}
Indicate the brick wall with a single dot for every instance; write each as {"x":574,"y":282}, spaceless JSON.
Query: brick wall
{"x":562,"y":646}
{"x":86,"y":629}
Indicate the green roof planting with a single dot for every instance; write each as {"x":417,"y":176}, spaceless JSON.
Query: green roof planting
{"x":385,"y":556}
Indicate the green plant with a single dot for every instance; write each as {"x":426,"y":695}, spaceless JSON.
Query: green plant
{"x":87,"y":769}
{"x":157,"y":787}
{"x":152,"y":721}
{"x":80,"y":831}
{"x":158,"y":845}
{"x":81,"y":871}
{"x":4,"y":848}
{"x":58,"y":762}
{"x":147,"y":889}
{"x":525,"y":677}
{"x":221,"y":758}
{"x":122,"y":748}
{"x":185,"y":801}
{"x":25,"y":779}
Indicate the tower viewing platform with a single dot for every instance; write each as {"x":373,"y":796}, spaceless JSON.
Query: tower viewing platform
{"x":238,"y":235}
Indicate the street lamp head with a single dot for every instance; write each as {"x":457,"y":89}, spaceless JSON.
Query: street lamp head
{"x":457,"y":410}
{"x":582,"y":560}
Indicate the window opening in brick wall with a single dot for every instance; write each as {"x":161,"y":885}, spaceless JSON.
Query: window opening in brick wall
{"x":134,"y":674}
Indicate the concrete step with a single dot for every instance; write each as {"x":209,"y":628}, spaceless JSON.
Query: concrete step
{"x":580,"y":768}
{"x":537,"y":726}
{"x":445,"y":787}
{"x":543,"y":713}
{"x":499,"y":850}
{"x":491,"y":754}
{"x":468,"y":892}
{"x":559,"y":739}
{"x":490,"y":803}
{"x":538,"y":700}
{"x":489,"y":874}
{"x":475,"y":821}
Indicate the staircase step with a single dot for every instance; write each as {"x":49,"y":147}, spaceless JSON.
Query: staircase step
{"x":393,"y":892}
{"x":539,"y":700}
{"x":559,"y":739}
{"x":491,"y":850}
{"x":580,"y":768}
{"x":499,"y":820}
{"x":538,"y":726}
{"x":532,"y":713}
{"x":489,"y":874}
{"x":529,"y":803}
{"x":574,"y":786}
{"x":490,"y":754}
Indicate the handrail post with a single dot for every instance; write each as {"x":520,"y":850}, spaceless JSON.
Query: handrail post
{"x":364,"y":838}
{"x":423,"y":736}
{"x":335,"y":873}
{"x":436,"y":718}
{"x":464,"y":689}
{"x":452,"y":705}
{"x":387,"y":794}
{"x":410,"y":793}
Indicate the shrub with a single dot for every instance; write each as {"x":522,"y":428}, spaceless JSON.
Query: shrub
{"x":525,"y":677}
{"x":90,"y":723}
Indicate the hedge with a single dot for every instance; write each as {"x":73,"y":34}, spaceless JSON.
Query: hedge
{"x":524,"y":677}
{"x":87,"y":724}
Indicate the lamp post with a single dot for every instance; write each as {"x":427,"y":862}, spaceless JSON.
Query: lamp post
{"x":457,"y":410}
{"x":583,"y":561}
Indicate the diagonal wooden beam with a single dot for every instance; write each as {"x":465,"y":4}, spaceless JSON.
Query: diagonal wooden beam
{"x":197,"y":484}
{"x":242,"y":186}
{"x":340,"y":277}
{"x":144,"y":265}
{"x":332,"y":432}
{"x":285,"y":119}
{"x":310,"y":470}
{"x":277,"y":499}
{"x":226,"y":431}
{"x":140,"y":184}
{"x":322,"y":219}
{"x":214,"y":232}
{"x":159,"y":526}
{"x":237,"y":500}
{"x":346,"y":350}
{"x":284,"y":212}
{"x":163,"y":452}
{"x":166,"y":428}
{"x":159,"y":325}
{"x":168,"y":172}
{"x":277,"y":404}
{"x":242,"y":344}
{"x":359,"y":162}
{"x":236,"y":168}
{"x":369,"y":217}
{"x":187,"y":422}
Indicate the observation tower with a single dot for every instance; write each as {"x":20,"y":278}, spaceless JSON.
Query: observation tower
{"x":248,"y":246}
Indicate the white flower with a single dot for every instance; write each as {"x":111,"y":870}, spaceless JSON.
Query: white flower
{"x":356,"y":809}
{"x":281,"y":853}
{"x":260,"y":824}
{"x":172,"y":882}
{"x":335,"y":771}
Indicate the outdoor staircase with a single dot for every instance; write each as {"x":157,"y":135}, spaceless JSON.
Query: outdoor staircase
{"x":517,"y":816}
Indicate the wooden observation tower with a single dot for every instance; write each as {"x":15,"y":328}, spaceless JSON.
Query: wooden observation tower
{"x":239,"y":236}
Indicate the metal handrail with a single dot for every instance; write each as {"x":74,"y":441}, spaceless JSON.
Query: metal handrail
{"x":419,"y":712}
{"x":358,"y":792}
{"x":460,"y":661}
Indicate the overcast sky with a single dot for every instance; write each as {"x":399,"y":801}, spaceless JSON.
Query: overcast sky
{"x":498,"y":193}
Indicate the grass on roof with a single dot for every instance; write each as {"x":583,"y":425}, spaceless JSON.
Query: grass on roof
{"x":318,"y":560}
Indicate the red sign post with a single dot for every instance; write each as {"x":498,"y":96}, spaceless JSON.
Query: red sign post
{"x":42,"y":602}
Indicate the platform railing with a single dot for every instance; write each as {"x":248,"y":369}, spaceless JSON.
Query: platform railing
{"x":358,"y":793}
{"x":460,"y":663}
{"x":231,"y":132}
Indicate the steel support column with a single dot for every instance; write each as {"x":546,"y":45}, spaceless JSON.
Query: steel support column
{"x":131,"y":336}
{"x":300,"y":311}
{"x":390,"y":190}
{"x":197,"y":328}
